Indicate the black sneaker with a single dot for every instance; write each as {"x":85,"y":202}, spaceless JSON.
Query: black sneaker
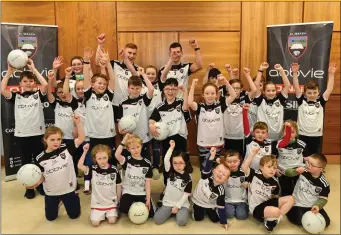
{"x":30,"y":194}
{"x":40,"y":189}
{"x":269,"y":225}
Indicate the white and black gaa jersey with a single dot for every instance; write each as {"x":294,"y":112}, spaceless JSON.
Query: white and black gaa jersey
{"x":174,"y":116}
{"x":100,"y":115}
{"x":175,"y":189}
{"x":208,"y":195}
{"x":252,"y":114}
{"x":136,"y":174}
{"x":272,"y":113}
{"x":233,"y":117}
{"x":157,"y":97}
{"x":267,"y":147}
{"x":181,"y":72}
{"x":234,"y":189}
{"x":260,"y":189}
{"x":308,"y":189}
{"x":310,"y":116}
{"x":58,"y":170}
{"x":138,"y":108}
{"x":122,"y":74}
{"x":63,"y":112}
{"x":223,"y":91}
{"x":103,"y":185}
{"x":291,"y":156}
{"x":28,"y":113}
{"x":211,"y":123}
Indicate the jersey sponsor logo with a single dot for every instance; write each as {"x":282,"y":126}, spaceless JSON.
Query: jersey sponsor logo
{"x":104,"y":184}
{"x":62,"y":155}
{"x":135,"y":177}
{"x":174,"y":121}
{"x":234,"y":186}
{"x":210,"y":120}
{"x":56,"y":169}
{"x":183,"y":184}
{"x":99,"y":108}
{"x":318,"y":189}
{"x":290,"y":158}
{"x":307,"y":191}
{"x":64,"y":115}
{"x":119,"y":76}
{"x":22,"y":106}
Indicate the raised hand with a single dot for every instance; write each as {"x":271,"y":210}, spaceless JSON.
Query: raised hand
{"x":195,"y":82}
{"x":30,"y":64}
{"x":50,"y":76}
{"x":235,"y":72}
{"x":246,"y":71}
{"x":76,"y":119}
{"x":121,"y":53}
{"x":332,"y":67}
{"x":228,"y":67}
{"x":68,"y":71}
{"x":172,"y":144}
{"x":264,"y":65}
{"x":57,"y":62}
{"x":246,"y":106}
{"x":278,"y":67}
{"x":255,"y":150}
{"x":88,"y":52}
{"x":193,"y":43}
{"x":101,"y":38}
{"x":295,"y":67}
{"x":86,"y":147}
{"x":211,"y":66}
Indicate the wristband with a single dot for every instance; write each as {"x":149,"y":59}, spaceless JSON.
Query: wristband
{"x":86,"y":62}
{"x":260,"y":70}
{"x":198,"y":48}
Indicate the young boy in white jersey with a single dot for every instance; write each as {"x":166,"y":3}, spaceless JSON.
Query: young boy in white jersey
{"x":235,"y":188}
{"x":291,"y":152}
{"x":136,"y":105}
{"x":311,"y":108}
{"x":209,"y":194}
{"x":28,"y":114}
{"x":263,"y":192}
{"x":137,"y":176}
{"x":99,"y":93}
{"x":174,"y":112}
{"x":105,"y":184}
{"x":257,"y":138}
{"x":271,"y":104}
{"x":123,"y":69}
{"x":59,"y":177}
{"x":311,"y":191}
{"x":175,"y":68}
{"x":210,"y":117}
{"x":233,"y":115}
{"x":178,"y":189}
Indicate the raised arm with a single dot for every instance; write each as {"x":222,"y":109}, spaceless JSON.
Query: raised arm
{"x":185,"y":97}
{"x":80,"y":164}
{"x":57,"y":62}
{"x":100,"y":41}
{"x":228,"y":68}
{"x":231,"y":91}
{"x":209,"y":161}
{"x":41,"y":79}
{"x":282,"y":143}
{"x":104,"y":61}
{"x":51,"y":76}
{"x":80,"y":130}
{"x":205,"y":78}
{"x":4,"y":82}
{"x":294,"y":68}
{"x":286,"y":82}
{"x":167,"y":68}
{"x":87,"y":67}
{"x":122,"y":53}
{"x":235,"y":73}
{"x":330,"y":84}
{"x":253,"y":88}
{"x":248,"y":160}
{"x":191,"y":103}
{"x":150,"y":87}
{"x":198,"y":64}
{"x":66,"y":85}
{"x":168,"y":155}
{"x":118,"y":153}
{"x":260,"y":71}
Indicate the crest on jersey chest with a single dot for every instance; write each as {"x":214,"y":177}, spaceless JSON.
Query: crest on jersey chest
{"x":183,"y":184}
{"x":35,"y":96}
{"x":242,"y":179}
{"x":318,"y":189}
{"x":267,"y":148}
{"x":213,"y":196}
{"x":105,"y":98}
{"x":178,"y":108}
{"x":144,"y":170}
{"x":217,"y":110}
{"x":299,"y":150}
{"x":112,"y":176}
{"x":63,"y":156}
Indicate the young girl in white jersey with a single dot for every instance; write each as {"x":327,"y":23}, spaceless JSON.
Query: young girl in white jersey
{"x":233,"y":115}
{"x":210,"y":118}
{"x":105,"y":182}
{"x":178,"y":189}
{"x":271,"y":104}
{"x":59,"y":177}
{"x":311,"y":107}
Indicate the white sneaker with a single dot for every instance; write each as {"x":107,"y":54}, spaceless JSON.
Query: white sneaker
{"x":156,"y":174}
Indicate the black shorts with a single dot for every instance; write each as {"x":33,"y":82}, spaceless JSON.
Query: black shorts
{"x":258,"y":212}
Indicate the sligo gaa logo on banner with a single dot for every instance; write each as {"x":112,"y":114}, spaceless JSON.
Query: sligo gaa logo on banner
{"x":28,"y":43}
{"x":297,"y":44}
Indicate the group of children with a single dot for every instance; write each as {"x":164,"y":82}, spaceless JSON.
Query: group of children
{"x":251,"y":159}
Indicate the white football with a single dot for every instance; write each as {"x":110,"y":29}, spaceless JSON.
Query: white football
{"x":138,"y":213}
{"x":29,"y":174}
{"x":17,"y":59}
{"x":163,"y":130}
{"x":127,"y":123}
{"x":313,"y":223}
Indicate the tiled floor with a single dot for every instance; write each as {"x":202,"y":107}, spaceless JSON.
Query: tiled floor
{"x":20,"y":215}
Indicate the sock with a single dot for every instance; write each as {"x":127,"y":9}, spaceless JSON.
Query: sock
{"x":279,"y":218}
{"x":87,"y":185}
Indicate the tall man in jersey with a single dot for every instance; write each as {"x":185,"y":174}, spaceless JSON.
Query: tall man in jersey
{"x":176,"y":68}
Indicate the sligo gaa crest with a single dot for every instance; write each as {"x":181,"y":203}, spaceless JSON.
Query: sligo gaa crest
{"x":297,"y":44}
{"x":28,"y":43}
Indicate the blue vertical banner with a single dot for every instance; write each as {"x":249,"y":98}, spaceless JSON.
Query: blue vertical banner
{"x":39,"y":42}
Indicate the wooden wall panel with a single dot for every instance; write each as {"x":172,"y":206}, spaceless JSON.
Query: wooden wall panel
{"x":331,"y":137}
{"x":80,"y":23}
{"x":255,"y":17}
{"x":323,"y":11}
{"x":178,"y":16}
{"x":215,"y":47}
{"x":335,"y":57}
{"x":152,"y":48}
{"x":28,"y":12}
